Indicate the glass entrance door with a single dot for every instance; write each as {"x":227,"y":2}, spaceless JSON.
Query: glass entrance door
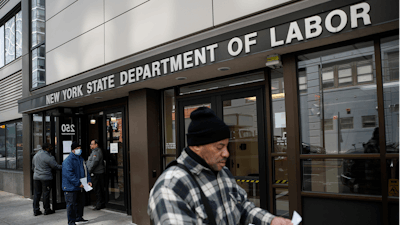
{"x":242,"y":112}
{"x":116,"y":165}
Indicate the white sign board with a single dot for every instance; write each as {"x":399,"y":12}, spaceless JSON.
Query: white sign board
{"x":67,"y":146}
{"x":280,"y":120}
{"x":113,"y":147}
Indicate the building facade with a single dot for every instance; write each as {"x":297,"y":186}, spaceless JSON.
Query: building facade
{"x":309,"y":89}
{"x":11,"y":146}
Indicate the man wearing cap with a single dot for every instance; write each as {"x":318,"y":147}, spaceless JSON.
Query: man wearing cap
{"x":42,"y":165}
{"x":175,"y":197}
{"x":74,"y":169}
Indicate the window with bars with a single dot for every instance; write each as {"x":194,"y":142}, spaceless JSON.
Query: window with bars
{"x":368,"y":121}
{"x":328,"y":124}
{"x":346,"y":123}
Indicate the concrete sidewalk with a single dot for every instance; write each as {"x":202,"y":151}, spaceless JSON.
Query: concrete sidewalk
{"x":17,"y":210}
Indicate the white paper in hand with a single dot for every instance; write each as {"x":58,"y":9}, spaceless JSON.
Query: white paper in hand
{"x":296,"y":219}
{"x":85,"y":184}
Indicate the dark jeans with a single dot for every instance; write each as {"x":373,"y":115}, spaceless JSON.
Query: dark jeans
{"x":98,"y":186}
{"x":45,"y":187}
{"x":75,"y":201}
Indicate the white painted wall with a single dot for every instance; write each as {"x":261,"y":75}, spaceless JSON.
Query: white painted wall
{"x":11,"y":68}
{"x":11,"y":114}
{"x":7,"y":7}
{"x":73,"y":21}
{"x":154,"y":23}
{"x":54,"y":7}
{"x":78,"y":55}
{"x":83,"y":34}
{"x":114,"y":8}
{"x":227,"y":10}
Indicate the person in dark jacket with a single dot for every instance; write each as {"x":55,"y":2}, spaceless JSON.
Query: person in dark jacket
{"x":95,"y":166}
{"x":42,"y":165}
{"x":74,"y":169}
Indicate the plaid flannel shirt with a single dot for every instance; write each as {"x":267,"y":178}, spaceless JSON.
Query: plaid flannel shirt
{"x":175,"y":197}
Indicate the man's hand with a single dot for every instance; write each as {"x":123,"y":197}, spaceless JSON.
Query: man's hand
{"x":281,"y":221}
{"x":90,"y":184}
{"x":81,"y":186}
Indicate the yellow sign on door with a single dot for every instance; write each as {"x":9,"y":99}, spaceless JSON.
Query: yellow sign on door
{"x":394,"y":187}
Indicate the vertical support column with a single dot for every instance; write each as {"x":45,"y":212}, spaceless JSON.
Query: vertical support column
{"x":269,"y":143}
{"x":293,"y":134}
{"x":26,"y":142}
{"x":27,"y":126}
{"x":145,"y":149}
{"x":382,"y":129}
{"x":26,"y":76}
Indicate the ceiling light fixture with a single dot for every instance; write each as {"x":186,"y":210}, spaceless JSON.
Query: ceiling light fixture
{"x":181,"y":78}
{"x":98,"y":97}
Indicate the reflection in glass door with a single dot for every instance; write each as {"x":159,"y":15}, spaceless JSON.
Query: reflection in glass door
{"x":115,"y":159}
{"x":240,"y":115}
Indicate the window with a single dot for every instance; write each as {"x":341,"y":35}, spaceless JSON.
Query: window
{"x":368,"y":121}
{"x":342,"y":99}
{"x":302,"y":81}
{"x":364,"y":72}
{"x":38,"y":78}
{"x":346,"y":123}
{"x":11,"y":153}
{"x":345,"y":75}
{"x":393,"y":65}
{"x":280,"y":163}
{"x":328,"y":124}
{"x":169,"y":151}
{"x":11,"y":38}
{"x":390,"y":77}
{"x":398,"y":120}
{"x":352,"y":72}
{"x":328,"y":78}
{"x":37,"y":125}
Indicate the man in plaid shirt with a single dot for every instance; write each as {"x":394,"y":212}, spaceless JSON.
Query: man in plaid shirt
{"x":175,"y":197}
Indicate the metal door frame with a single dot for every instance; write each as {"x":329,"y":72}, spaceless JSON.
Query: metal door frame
{"x":216,"y":99}
{"x":126,"y":170}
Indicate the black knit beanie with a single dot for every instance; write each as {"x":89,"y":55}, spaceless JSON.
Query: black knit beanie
{"x":206,"y":128}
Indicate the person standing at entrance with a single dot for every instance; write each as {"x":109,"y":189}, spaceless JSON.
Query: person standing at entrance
{"x":74,"y":169}
{"x":179,"y":194}
{"x":42,"y":165}
{"x":95,"y":166}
